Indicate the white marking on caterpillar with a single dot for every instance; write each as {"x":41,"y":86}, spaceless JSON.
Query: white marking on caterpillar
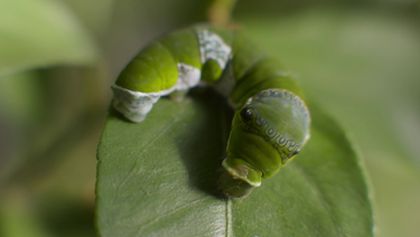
{"x":213,"y":47}
{"x":135,"y":105}
{"x":189,"y":76}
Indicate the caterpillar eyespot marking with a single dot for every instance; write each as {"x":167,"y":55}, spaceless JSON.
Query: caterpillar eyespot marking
{"x":270,"y":114}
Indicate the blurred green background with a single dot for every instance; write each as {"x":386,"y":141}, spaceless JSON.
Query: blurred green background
{"x":357,"y":59}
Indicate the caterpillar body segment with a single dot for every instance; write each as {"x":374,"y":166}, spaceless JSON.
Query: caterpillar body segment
{"x":271,"y":121}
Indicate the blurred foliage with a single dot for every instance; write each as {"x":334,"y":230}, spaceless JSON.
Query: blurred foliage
{"x":357,"y":58}
{"x":40,"y":33}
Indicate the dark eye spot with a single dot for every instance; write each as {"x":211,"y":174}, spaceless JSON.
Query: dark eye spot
{"x":246,"y":114}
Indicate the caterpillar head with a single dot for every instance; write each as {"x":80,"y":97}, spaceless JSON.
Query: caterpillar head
{"x":267,"y":131}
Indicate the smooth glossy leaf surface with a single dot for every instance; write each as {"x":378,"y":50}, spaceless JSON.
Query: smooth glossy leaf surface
{"x":36,"y":33}
{"x":159,"y":178}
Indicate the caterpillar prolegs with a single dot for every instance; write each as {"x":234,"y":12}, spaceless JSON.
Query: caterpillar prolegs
{"x":271,"y":121}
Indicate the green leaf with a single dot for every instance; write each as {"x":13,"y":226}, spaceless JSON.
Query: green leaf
{"x":40,"y":33}
{"x":158,"y":178}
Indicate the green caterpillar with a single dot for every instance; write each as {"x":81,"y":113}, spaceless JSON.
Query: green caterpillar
{"x":271,"y":121}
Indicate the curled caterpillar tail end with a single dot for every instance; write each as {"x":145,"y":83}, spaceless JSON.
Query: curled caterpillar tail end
{"x":133,"y":105}
{"x":238,"y":180}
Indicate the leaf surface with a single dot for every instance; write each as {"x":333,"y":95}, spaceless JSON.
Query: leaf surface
{"x":159,"y":178}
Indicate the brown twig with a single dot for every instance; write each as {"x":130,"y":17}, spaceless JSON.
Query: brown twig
{"x":220,"y":12}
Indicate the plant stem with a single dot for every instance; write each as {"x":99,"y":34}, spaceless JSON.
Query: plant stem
{"x":220,"y":12}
